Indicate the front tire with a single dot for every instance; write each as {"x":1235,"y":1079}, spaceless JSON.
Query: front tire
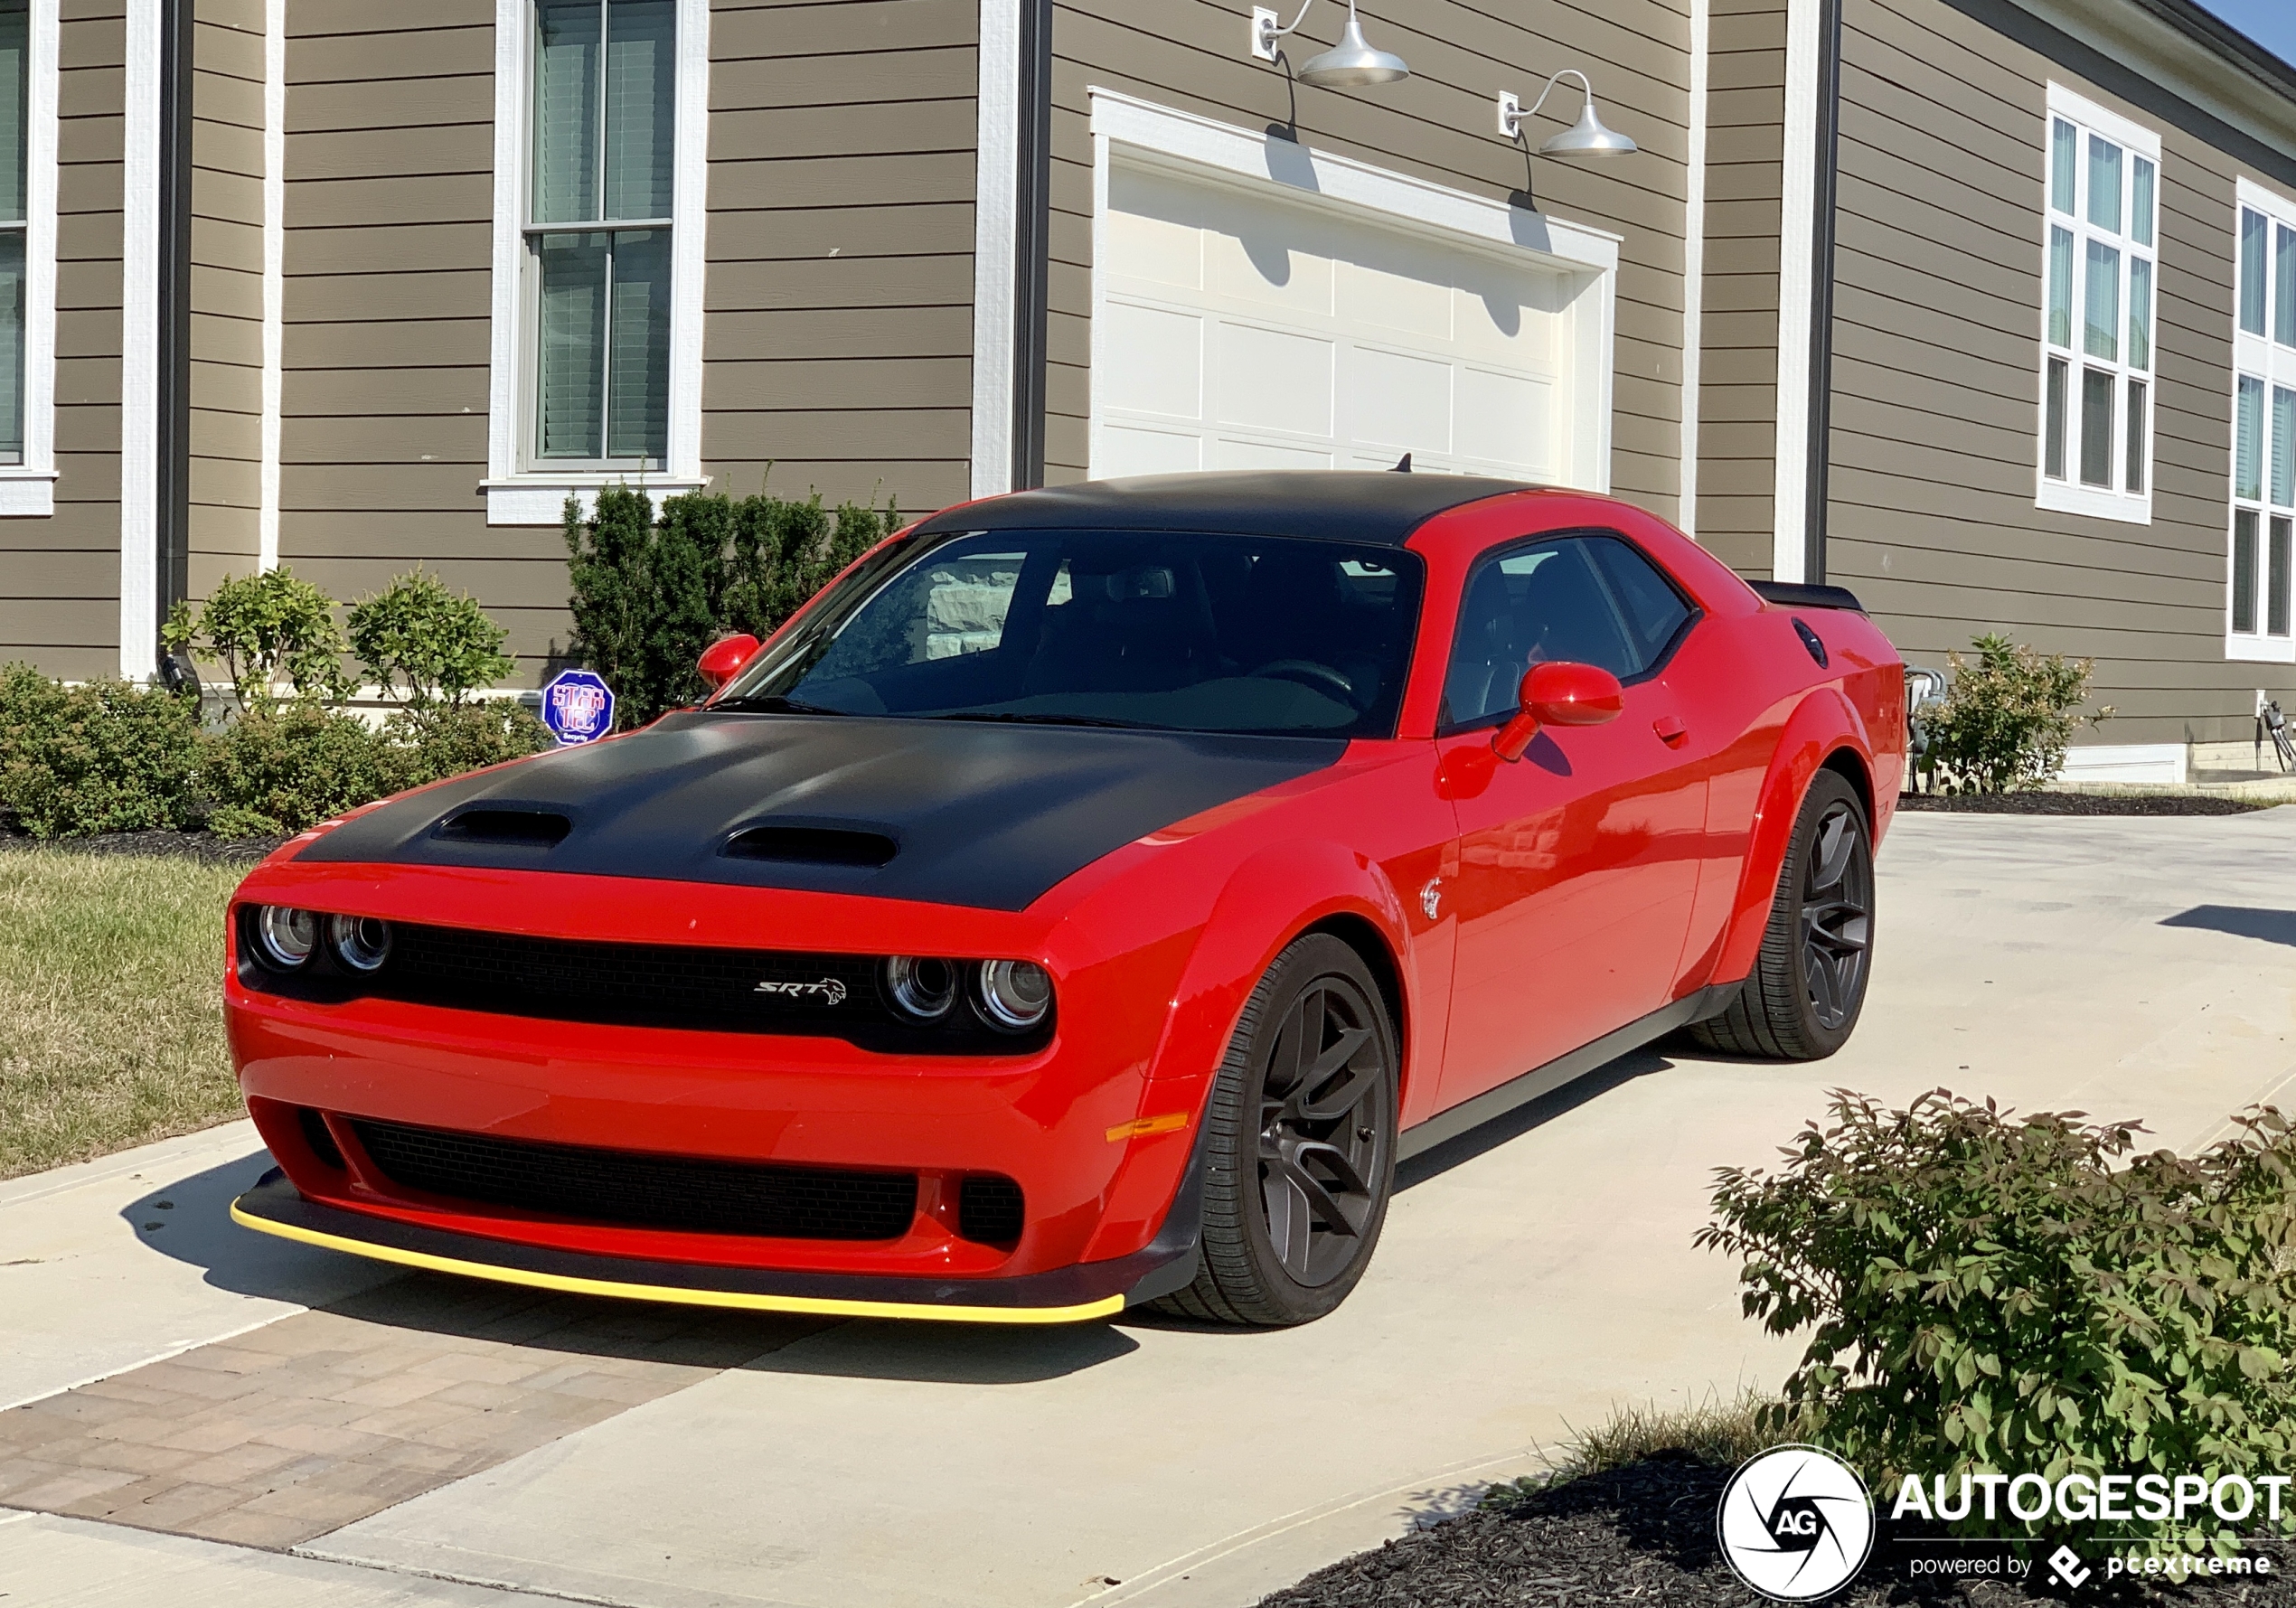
{"x":1299,"y":1145}
{"x":1803,"y":999}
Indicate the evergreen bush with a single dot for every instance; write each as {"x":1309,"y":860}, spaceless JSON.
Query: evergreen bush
{"x":101,"y":757}
{"x":647,"y":597}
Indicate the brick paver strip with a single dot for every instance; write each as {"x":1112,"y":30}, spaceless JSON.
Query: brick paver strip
{"x":321,"y":1419}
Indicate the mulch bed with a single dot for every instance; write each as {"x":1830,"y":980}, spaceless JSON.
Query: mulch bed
{"x":2082,"y":803}
{"x":1645,"y":1534}
{"x":202,"y":846}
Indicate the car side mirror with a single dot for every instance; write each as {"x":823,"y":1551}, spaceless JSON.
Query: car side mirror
{"x":722,"y":660}
{"x":1560,"y":694}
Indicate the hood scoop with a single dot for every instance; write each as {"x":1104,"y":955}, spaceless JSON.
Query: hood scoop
{"x":499,"y":825}
{"x":811,"y":845}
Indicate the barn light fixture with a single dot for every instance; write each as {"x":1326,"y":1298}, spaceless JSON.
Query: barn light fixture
{"x":1587,"y":137}
{"x":1350,"y":64}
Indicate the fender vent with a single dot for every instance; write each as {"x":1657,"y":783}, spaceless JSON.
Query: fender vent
{"x":540,"y":829}
{"x":813,"y":845}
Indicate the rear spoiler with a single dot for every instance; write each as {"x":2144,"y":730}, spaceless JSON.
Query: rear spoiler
{"x":1794,"y":593}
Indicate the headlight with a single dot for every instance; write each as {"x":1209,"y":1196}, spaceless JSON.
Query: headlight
{"x":1015,"y":994}
{"x":284,"y":938}
{"x":922,"y":990}
{"x":361,"y":943}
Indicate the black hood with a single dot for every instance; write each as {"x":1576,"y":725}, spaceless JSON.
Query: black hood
{"x":946,"y":812}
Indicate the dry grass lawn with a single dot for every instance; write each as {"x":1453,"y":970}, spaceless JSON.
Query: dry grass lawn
{"x":111,"y":1022}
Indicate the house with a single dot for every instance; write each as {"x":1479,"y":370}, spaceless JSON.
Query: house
{"x":1984,"y":309}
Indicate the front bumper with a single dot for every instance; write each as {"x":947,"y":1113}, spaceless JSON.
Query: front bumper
{"x":1076,"y":1293}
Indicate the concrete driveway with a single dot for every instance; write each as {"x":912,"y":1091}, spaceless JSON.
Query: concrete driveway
{"x":1532,"y":1276}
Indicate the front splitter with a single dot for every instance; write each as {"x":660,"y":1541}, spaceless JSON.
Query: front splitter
{"x":1067,"y":1296}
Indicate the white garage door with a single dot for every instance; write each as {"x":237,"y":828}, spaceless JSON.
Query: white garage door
{"x":1239,"y":326}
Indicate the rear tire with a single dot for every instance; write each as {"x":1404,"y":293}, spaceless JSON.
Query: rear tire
{"x":1803,"y":999}
{"x":1299,"y":1145}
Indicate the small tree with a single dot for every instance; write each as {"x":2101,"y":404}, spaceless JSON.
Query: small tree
{"x":437,"y":641}
{"x":2005,"y":719}
{"x":264,"y":628}
{"x":685,"y":580}
{"x":607,"y":573}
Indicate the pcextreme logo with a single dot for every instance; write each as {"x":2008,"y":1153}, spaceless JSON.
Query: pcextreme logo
{"x":1795,"y":1523}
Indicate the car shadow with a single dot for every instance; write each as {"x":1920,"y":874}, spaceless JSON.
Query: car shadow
{"x":2242,"y":921}
{"x":189,"y":1220}
{"x":1476,"y":1141}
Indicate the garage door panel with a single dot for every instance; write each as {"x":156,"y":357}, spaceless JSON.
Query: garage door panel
{"x":1503,"y":417}
{"x":1263,"y":263}
{"x":1232,"y":452}
{"x":1373,"y":296}
{"x":1133,"y":450}
{"x":1399,"y":399}
{"x":1273,"y":379}
{"x":1155,"y":228}
{"x":1156,"y":361}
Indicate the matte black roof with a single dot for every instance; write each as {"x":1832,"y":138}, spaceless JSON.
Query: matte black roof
{"x":1340,"y":504}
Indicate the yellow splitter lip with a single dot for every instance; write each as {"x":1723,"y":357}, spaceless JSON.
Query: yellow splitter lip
{"x":1071,"y":1295}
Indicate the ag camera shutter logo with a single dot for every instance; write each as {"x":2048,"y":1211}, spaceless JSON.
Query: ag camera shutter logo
{"x":1795,"y":1523}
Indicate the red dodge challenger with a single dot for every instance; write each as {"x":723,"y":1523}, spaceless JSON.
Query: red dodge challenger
{"x":1084,"y":902}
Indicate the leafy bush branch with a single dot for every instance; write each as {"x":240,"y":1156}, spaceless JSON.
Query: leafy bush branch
{"x":2005,"y":719}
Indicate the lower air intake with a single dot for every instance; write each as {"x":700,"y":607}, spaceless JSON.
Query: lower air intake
{"x":631,"y":1189}
{"x":989,"y":1210}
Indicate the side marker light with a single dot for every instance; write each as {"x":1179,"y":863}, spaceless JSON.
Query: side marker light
{"x":1172,"y":1122}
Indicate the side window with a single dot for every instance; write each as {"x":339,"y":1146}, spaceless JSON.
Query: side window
{"x":1653,"y":609}
{"x":1590,"y":599}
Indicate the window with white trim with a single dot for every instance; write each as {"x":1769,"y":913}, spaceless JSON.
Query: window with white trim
{"x":2257,"y":603}
{"x":2100,"y":268}
{"x":598,"y":229}
{"x":16,"y":130}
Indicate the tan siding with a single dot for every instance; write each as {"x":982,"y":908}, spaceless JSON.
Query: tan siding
{"x":226,"y":291}
{"x":60,"y":575}
{"x":1187,"y":53}
{"x":1739,"y":341}
{"x":1935,"y":411}
{"x":838,"y":343}
{"x":389,"y":195}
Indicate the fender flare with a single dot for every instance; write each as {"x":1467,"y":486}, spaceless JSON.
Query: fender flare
{"x":1822,"y":724}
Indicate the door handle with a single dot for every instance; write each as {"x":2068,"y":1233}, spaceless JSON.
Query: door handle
{"x":1670,"y":729}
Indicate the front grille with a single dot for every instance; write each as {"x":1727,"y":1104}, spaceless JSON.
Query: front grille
{"x":635,"y":1191}
{"x":657,"y":985}
{"x":989,"y":1210}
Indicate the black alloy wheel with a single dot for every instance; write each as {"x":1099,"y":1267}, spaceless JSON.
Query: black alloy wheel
{"x":1801,"y":1002}
{"x":1299,"y":1139}
{"x":1837,"y":915}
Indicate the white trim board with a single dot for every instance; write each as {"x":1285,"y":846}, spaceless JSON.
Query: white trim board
{"x":516,"y":495}
{"x":1686,"y":514}
{"x":1184,"y":140}
{"x":996,"y":246}
{"x":139,"y":347}
{"x":2126,"y":762}
{"x":1797,"y":293}
{"x":267,"y":517}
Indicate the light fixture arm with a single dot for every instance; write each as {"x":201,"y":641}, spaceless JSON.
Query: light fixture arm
{"x":1512,"y":113}
{"x":1266,"y":28}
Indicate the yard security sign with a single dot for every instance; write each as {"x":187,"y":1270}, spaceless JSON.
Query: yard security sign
{"x":577,"y":707}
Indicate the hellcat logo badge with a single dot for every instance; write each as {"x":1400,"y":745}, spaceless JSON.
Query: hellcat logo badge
{"x":829,"y":991}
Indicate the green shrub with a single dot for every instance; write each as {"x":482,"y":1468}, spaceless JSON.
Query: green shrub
{"x":647,"y":598}
{"x":2025,"y":1295}
{"x":265,"y":628}
{"x":279,"y":769}
{"x":2005,"y":719}
{"x":102,"y":757}
{"x":447,"y":739}
{"x":439,"y":642}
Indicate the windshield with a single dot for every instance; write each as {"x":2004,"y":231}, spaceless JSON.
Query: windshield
{"x":1164,"y":630}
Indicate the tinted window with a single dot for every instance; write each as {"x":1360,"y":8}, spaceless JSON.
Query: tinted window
{"x":1167,"y":630}
{"x":1590,"y":599}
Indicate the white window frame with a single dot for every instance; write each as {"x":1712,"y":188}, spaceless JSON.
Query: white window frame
{"x":2069,"y":494}
{"x":518,"y":492}
{"x":28,"y":489}
{"x":2262,"y":358}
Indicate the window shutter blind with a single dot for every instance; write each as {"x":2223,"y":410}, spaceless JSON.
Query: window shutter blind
{"x":640,"y":85}
{"x":566,"y":112}
{"x":638,"y":388}
{"x":572,"y":328}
